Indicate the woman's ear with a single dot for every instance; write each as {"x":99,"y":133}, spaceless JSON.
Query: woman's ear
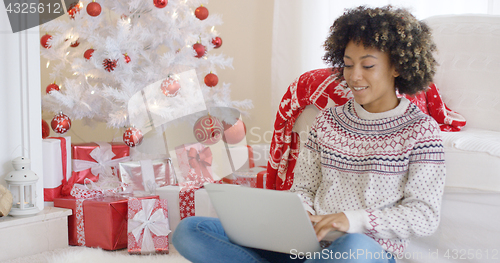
{"x":395,"y":73}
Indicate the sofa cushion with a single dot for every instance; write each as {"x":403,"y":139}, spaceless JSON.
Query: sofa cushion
{"x":474,"y":140}
{"x":469,"y":66}
{"x":472,"y":159}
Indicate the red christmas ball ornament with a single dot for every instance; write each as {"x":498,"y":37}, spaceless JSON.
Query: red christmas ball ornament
{"x":211,"y":79}
{"x":170,"y":87}
{"x":88,"y":53}
{"x":217,"y":42}
{"x":132,"y":137}
{"x":200,"y":50}
{"x":75,"y":44}
{"x":109,"y":65}
{"x":208,"y":130}
{"x":160,"y":3}
{"x":201,"y":12}
{"x":126,"y":57}
{"x":44,"y":40}
{"x":51,"y":87}
{"x":94,"y":8}
{"x":234,"y":133}
{"x":60,"y":123}
{"x":45,"y":129}
{"x":74,"y":9}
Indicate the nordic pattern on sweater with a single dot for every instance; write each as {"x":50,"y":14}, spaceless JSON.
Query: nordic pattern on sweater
{"x":385,"y":171}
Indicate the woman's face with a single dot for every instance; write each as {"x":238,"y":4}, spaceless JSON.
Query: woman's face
{"x":370,"y":76}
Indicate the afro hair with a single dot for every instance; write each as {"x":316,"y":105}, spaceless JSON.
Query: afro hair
{"x":396,"y":31}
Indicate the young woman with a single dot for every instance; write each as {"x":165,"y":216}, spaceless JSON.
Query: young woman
{"x":372,"y":168}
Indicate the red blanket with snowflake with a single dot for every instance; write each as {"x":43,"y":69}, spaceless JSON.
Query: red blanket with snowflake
{"x":316,"y":87}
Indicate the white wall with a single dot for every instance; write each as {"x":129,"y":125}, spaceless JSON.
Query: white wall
{"x":20,"y":100}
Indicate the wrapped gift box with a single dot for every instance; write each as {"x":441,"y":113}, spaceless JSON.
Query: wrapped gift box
{"x":98,"y":222}
{"x":56,"y":154}
{"x":147,"y":175}
{"x":252,"y":177}
{"x":148,"y":226}
{"x":195,"y":161}
{"x":93,"y":159}
{"x":202,"y":205}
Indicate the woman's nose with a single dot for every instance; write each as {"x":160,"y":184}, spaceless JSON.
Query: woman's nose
{"x":356,"y":74}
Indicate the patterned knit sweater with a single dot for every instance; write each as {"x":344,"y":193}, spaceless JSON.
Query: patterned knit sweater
{"x":385,"y":171}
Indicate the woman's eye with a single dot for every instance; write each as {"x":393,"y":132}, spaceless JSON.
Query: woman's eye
{"x":347,"y":66}
{"x":371,"y":66}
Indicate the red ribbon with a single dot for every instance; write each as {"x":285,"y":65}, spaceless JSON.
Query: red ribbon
{"x":251,"y":162}
{"x":50,"y":193}
{"x":200,"y":161}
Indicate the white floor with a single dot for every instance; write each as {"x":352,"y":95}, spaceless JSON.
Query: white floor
{"x":75,"y":254}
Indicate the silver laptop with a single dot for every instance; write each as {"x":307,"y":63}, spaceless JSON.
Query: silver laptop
{"x":265,"y":219}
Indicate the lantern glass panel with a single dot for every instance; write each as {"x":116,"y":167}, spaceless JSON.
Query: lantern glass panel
{"x":29,"y":198}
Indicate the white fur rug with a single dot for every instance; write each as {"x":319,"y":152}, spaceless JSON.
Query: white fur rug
{"x":74,"y":254}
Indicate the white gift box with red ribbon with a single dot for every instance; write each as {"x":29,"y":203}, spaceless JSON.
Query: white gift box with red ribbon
{"x":56,"y":154}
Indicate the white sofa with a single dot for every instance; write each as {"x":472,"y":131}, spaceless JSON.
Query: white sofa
{"x":468,"y":78}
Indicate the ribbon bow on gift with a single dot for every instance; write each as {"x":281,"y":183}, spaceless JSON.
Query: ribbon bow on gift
{"x":147,"y":221}
{"x":103,"y":156}
{"x":200,"y":161}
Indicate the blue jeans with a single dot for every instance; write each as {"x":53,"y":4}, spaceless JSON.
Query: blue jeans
{"x":202,"y":239}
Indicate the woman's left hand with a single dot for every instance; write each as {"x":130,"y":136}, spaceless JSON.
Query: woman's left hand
{"x":324,"y":223}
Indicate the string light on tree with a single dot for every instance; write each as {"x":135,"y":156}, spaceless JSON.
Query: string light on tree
{"x":60,"y":123}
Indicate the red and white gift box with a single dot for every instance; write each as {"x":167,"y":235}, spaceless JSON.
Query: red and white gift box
{"x":99,"y":217}
{"x":185,"y":203}
{"x":91,"y":160}
{"x":56,"y":154}
{"x":148,"y":226}
{"x":252,"y":177}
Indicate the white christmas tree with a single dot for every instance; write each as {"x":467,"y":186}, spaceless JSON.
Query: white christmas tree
{"x":108,"y":51}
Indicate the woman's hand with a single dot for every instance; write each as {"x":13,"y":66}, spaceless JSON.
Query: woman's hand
{"x":324,"y":223}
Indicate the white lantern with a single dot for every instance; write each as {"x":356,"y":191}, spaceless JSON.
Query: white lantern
{"x":22,"y":185}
